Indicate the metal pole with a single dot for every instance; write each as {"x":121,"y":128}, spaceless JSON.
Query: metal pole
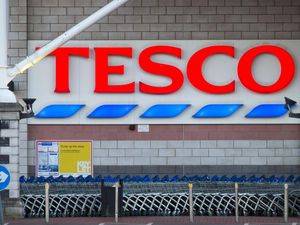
{"x":63,"y":38}
{"x":117,"y":202}
{"x":47,"y":202}
{"x":1,"y":212}
{"x":5,"y":94}
{"x":286,"y":201}
{"x":191,"y":203}
{"x":236,"y":190}
{"x":8,"y":74}
{"x":4,"y":32}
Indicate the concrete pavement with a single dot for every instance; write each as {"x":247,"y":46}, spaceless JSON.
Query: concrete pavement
{"x":158,"y":220}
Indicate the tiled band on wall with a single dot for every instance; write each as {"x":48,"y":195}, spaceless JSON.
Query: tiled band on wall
{"x":4,"y":124}
{"x":4,"y":159}
{"x":4,"y":141}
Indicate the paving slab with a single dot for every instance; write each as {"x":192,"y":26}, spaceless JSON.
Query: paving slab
{"x":156,"y":220}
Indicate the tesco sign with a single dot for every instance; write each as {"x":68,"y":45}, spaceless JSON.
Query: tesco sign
{"x":165,"y":82}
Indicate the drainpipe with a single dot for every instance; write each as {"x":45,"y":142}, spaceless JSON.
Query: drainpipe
{"x":6,"y":96}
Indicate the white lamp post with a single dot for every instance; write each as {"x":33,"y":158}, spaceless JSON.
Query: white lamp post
{"x":7,"y":74}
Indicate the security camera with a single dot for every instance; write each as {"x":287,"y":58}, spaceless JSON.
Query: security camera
{"x":27,"y":110}
{"x":289,"y":103}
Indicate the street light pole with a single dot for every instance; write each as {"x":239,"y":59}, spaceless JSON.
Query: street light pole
{"x":7,"y":74}
{"x":6,"y":96}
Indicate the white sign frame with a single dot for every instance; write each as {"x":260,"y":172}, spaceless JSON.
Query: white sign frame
{"x":219,"y":69}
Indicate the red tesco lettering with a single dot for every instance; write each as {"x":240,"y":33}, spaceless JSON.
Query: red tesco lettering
{"x":194,"y":72}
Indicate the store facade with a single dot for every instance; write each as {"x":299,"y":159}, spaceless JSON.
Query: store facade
{"x":175,"y":56}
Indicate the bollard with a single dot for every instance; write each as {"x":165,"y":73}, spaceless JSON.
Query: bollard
{"x":117,"y":202}
{"x":286,"y":201}
{"x":47,"y":202}
{"x":1,"y":212}
{"x":191,"y":202}
{"x":236,"y":190}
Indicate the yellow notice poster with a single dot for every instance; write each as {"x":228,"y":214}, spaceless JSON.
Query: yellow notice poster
{"x":75,"y":158}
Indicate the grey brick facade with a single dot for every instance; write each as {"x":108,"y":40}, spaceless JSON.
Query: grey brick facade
{"x":157,"y":20}
{"x":197,"y":154}
{"x":170,"y":19}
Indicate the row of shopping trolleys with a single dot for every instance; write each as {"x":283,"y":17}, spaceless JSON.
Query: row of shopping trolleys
{"x":166,"y":178}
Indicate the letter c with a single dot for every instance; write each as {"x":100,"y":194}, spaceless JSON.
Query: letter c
{"x":194,"y":70}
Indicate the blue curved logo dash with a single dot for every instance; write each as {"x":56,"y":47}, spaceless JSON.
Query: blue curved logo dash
{"x":164,"y":110}
{"x":267,"y":111}
{"x":112,"y":111}
{"x":59,"y":111}
{"x":217,"y":110}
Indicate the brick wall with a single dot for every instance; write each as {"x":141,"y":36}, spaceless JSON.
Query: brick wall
{"x":166,"y":132}
{"x":192,"y":157}
{"x":9,"y":150}
{"x":167,"y":20}
{"x":18,"y":41}
{"x":16,"y":52}
{"x":10,"y":155}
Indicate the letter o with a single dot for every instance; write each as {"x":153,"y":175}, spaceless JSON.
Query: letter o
{"x":286,"y":75}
